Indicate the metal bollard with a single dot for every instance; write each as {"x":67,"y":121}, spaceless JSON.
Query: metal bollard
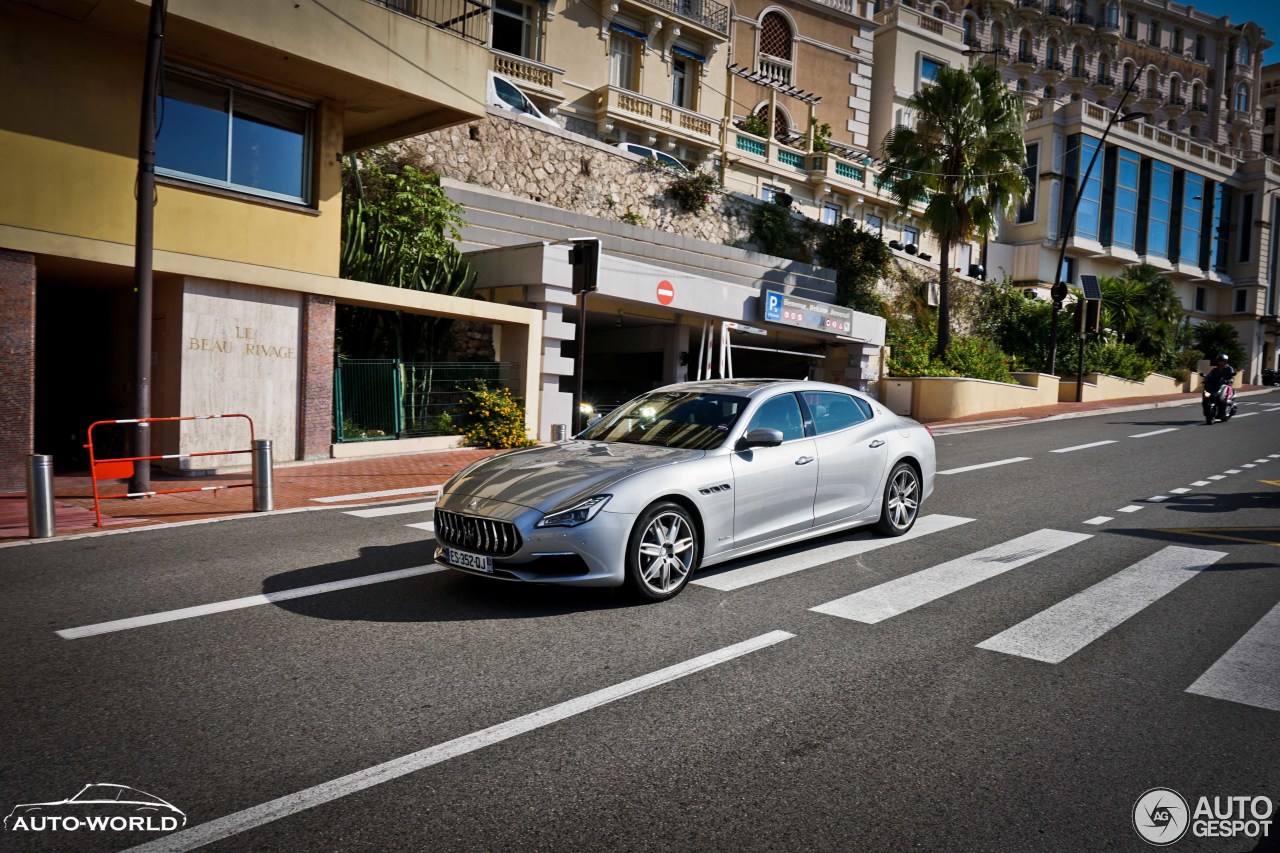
{"x":559,"y":432}
{"x":264,"y":494}
{"x":41,"y":522}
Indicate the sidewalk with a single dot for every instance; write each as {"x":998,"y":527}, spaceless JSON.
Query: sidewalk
{"x":328,"y":483}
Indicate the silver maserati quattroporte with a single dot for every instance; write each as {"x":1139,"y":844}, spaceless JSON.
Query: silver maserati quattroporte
{"x":686,"y":477}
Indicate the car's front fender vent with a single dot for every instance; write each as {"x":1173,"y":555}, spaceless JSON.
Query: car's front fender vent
{"x":473,"y":533}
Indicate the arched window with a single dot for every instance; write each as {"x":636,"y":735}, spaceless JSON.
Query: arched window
{"x":1051,"y":53}
{"x":968,"y":29}
{"x":1153,"y":82}
{"x":1024,"y":47}
{"x":940,"y":12}
{"x":1104,"y":67}
{"x":1127,"y":77}
{"x":1242,"y":98}
{"x":997,"y":35}
{"x":1197,"y":96}
{"x":775,"y":48}
{"x":1175,"y":88}
{"x":1173,"y":124}
{"x":781,"y":122}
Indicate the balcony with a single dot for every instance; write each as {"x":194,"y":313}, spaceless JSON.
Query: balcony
{"x":1052,"y":72}
{"x":777,"y":70}
{"x":537,"y":80}
{"x":707,"y":14}
{"x":1175,"y":106}
{"x":657,"y":120}
{"x":1025,"y":63}
{"x":1053,"y":10}
{"x":1029,"y":9}
{"x":1103,"y":87}
{"x":467,"y":19}
{"x":1082,"y":23}
{"x":1109,"y":32}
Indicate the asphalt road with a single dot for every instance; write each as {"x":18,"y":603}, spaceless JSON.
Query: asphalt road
{"x":443,"y":712}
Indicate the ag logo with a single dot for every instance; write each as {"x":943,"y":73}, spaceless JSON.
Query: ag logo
{"x":1160,"y":816}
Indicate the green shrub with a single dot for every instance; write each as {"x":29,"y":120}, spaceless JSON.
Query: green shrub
{"x":692,"y":191}
{"x":754,"y":125}
{"x":972,"y":357}
{"x":1116,"y":359}
{"x":491,"y":417}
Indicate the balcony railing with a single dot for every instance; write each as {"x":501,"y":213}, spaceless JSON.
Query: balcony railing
{"x":467,"y":19}
{"x":1030,"y":4}
{"x":777,"y":70}
{"x":637,"y":110}
{"x":1056,"y":11}
{"x":704,"y":13}
{"x":526,"y":70}
{"x":1026,"y":57}
{"x":1080,"y":16}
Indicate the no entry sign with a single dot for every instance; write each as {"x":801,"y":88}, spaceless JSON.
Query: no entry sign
{"x":666,"y":292}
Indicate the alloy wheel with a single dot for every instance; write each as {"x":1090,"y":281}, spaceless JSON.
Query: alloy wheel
{"x":904,"y":497}
{"x":666,"y":552}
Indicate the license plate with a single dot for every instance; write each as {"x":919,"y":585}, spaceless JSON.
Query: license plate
{"x":467,"y":560}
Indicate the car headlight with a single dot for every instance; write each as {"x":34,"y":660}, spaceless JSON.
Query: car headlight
{"x":577,"y":514}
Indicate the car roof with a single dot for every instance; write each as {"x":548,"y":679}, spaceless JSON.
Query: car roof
{"x":755,"y":387}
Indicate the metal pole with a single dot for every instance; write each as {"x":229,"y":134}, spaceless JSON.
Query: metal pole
{"x":579,"y":423}
{"x":143,"y":242}
{"x":264,"y":491}
{"x":41,"y":523}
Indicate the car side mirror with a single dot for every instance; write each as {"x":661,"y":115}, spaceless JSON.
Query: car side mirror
{"x":760,"y":437}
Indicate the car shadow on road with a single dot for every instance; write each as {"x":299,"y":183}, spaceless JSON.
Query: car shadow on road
{"x":440,"y":595}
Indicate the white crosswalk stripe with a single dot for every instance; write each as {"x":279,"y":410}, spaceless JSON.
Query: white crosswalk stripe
{"x":777,"y":567}
{"x":397,"y":509}
{"x":1249,"y":673}
{"x":1055,"y":634}
{"x":907,"y":593}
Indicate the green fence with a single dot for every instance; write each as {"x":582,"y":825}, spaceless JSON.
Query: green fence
{"x":376,"y":399}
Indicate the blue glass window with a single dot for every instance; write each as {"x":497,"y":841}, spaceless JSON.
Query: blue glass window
{"x":929,"y":68}
{"x":1192,"y":212}
{"x":1027,"y":212}
{"x":1159,"y":209}
{"x":1088,"y":222}
{"x":216,"y":134}
{"x":1124,"y":199}
{"x":1217,"y":243}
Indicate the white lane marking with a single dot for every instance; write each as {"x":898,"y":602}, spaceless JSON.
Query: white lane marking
{"x":1129,"y":508}
{"x":1232,"y":471}
{"x":1248,"y":465}
{"x":907,"y":593}
{"x":776,"y":568}
{"x":1155,"y":499}
{"x":1246,"y":414}
{"x":1056,"y":634}
{"x":1261,"y":461}
{"x":1200,"y":483}
{"x":1099,"y":519}
{"x":1081,"y":447}
{"x":1273,"y":455}
{"x":1249,"y":673}
{"x":1157,"y":432}
{"x":398,"y":509}
{"x":429,"y":526}
{"x":233,"y":824}
{"x":385,"y":493}
{"x":1181,"y":491}
{"x":240,"y":603}
{"x":1217,"y":476}
{"x":986,"y":465}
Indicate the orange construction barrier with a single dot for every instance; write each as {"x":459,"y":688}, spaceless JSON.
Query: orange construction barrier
{"x":121,"y":467}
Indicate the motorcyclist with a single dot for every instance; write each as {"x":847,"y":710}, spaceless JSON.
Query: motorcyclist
{"x":1221,"y":374}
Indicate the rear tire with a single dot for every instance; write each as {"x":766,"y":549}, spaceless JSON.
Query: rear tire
{"x":901,"y":501}
{"x":662,"y":552}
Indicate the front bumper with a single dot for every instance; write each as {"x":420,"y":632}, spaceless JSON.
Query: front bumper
{"x":592,"y":554}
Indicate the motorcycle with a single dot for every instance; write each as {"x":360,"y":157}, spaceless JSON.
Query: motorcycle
{"x":1270,"y":377}
{"x":1218,"y":400}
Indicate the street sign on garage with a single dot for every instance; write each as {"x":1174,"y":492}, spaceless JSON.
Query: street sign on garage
{"x":805,"y":313}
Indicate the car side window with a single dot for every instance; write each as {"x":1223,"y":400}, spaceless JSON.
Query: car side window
{"x":832,"y":411}
{"x":781,"y":413}
{"x":668,"y":160}
{"x":511,"y":95}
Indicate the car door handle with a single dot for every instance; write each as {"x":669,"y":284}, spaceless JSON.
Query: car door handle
{"x":878,"y":442}
{"x":804,"y":460}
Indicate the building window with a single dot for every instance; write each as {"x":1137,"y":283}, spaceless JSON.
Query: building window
{"x":1199,"y":299}
{"x":910,"y":236}
{"x":968,"y":30}
{"x":1242,"y":53}
{"x":1121,"y":195}
{"x":1242,"y":98}
{"x":1089,"y":212}
{"x":682,"y":82}
{"x":1192,"y":213}
{"x":1024,"y":47}
{"x":1268,"y":142}
{"x":1200,"y":47}
{"x":1153,"y":33}
{"x":1242,"y":301}
{"x":929,"y":69}
{"x":768,"y":191}
{"x":514,"y":28}
{"x":1177,"y":40}
{"x":1127,"y":77}
{"x":875,"y":224}
{"x":1103,"y":66}
{"x":1067,"y":272}
{"x":1131,"y":26}
{"x":1159,"y":201}
{"x":1221,"y":226}
{"x":831,"y":213}
{"x":775,"y":48}
{"x":1027,"y":212}
{"x":226,"y":135}
{"x":623,"y":67}
{"x":1077,"y":62}
{"x":1269,"y":116}
{"x":1246,"y":228}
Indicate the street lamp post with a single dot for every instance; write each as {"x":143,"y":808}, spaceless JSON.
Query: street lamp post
{"x":1059,"y":290}
{"x":994,"y":53}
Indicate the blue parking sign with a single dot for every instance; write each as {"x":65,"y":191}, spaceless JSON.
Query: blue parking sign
{"x":773,"y":305}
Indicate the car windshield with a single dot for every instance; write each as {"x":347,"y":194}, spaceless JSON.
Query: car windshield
{"x":97,"y":792}
{"x":685,"y":420}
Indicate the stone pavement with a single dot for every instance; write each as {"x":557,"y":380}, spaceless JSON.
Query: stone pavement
{"x":331,"y":483}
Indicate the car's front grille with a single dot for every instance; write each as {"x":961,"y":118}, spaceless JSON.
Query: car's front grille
{"x":482,"y":535}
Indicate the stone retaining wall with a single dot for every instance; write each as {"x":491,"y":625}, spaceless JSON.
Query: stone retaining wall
{"x":530,"y":160}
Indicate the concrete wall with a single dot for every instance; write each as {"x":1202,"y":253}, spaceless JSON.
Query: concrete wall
{"x":943,"y":398}
{"x":17,"y":367}
{"x":1099,"y":386}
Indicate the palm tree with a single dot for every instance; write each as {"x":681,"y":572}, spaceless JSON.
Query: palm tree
{"x":965,"y":157}
{"x":1142,"y":307}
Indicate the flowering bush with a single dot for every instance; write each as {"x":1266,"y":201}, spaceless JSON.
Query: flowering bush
{"x":491,"y":417}
{"x":693,"y":191}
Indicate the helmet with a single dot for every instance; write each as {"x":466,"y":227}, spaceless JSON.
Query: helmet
{"x":1221,"y":357}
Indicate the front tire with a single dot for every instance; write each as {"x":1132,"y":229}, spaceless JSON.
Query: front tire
{"x":662,"y":552}
{"x":901,"y":501}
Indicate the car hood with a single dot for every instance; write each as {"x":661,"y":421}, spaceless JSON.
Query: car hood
{"x":547,"y":477}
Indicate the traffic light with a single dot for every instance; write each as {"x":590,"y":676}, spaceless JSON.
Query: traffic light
{"x":585,"y":259}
